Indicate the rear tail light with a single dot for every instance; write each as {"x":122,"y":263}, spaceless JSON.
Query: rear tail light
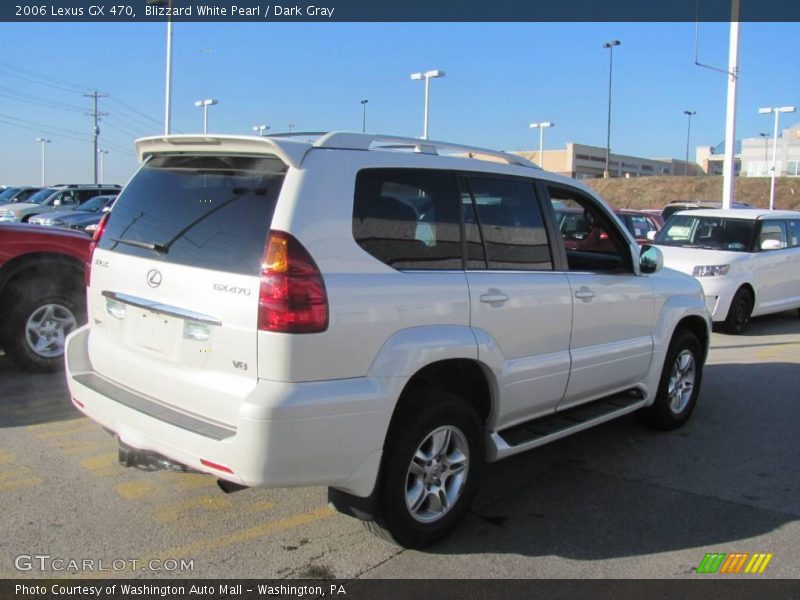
{"x":98,"y":233}
{"x":604,"y":236}
{"x":217,"y":466}
{"x":292,"y":297}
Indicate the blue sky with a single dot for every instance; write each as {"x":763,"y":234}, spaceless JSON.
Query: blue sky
{"x":499,"y":77}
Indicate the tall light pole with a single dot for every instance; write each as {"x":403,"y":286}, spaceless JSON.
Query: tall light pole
{"x":364,"y":116}
{"x":427,"y":76}
{"x":260,"y":129}
{"x":291,"y":127}
{"x":43,"y":141}
{"x":205,"y":104}
{"x":168,"y":85}
{"x":777,"y":110}
{"x":541,"y":127}
{"x":100,"y":154}
{"x":610,"y":45}
{"x":689,"y":114}
{"x":766,"y":140}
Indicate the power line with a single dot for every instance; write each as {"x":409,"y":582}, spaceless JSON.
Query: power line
{"x":15,"y":95}
{"x":53,"y":81}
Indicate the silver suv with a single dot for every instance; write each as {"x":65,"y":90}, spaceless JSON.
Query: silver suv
{"x":374,"y":314}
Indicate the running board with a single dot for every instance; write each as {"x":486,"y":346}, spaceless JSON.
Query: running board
{"x":543,"y":430}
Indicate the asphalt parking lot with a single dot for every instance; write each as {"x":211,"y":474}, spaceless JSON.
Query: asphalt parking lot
{"x":619,"y":501}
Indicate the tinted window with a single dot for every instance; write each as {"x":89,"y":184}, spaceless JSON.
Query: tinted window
{"x":794,"y":233}
{"x":511,"y":224}
{"x":407,"y":218}
{"x":711,"y":233}
{"x":639,"y":225}
{"x":212,"y":212}
{"x":592,"y":242}
{"x":42,"y":195}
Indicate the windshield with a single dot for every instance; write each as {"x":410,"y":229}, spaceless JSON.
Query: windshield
{"x":7,"y":194}
{"x":712,"y":233}
{"x":95,"y":204}
{"x":211,"y":212}
{"x":41,"y":196}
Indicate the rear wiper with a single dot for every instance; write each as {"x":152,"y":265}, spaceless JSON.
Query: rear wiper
{"x":160,"y":248}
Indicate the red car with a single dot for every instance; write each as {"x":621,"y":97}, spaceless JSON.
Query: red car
{"x":581,"y":233}
{"x":42,"y":292}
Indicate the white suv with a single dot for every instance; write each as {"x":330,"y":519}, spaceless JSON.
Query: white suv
{"x":378,"y":315}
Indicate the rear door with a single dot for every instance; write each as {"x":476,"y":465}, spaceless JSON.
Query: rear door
{"x":175,"y":281}
{"x":775,"y":268}
{"x":516,"y":298}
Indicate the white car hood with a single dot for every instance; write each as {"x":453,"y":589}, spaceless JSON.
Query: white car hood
{"x":686,"y":259}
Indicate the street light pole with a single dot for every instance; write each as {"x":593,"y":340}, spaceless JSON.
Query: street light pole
{"x":777,"y":110}
{"x":766,"y":145}
{"x":427,"y":76}
{"x":205,"y":104}
{"x":610,"y":45}
{"x":101,"y":153}
{"x":690,"y":114}
{"x":541,"y":127}
{"x":364,"y":116}
{"x":43,"y":141}
{"x":260,"y":129}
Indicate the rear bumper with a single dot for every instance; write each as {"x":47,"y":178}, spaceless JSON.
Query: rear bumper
{"x":288,"y":434}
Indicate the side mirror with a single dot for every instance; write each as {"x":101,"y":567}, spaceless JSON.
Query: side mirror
{"x":771,"y":245}
{"x":57,"y":202}
{"x":651,"y":235}
{"x":651,"y":260}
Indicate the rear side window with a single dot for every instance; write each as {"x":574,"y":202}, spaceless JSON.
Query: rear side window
{"x":212,"y":212}
{"x":408,"y":218}
{"x":510,"y":222}
{"x":794,"y":233}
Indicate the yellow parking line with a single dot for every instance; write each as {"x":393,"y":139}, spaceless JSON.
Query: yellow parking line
{"x":260,"y":506}
{"x":102,"y":464}
{"x":84,"y":426}
{"x":6,"y":458}
{"x":190,"y":481}
{"x":249,"y":534}
{"x":4,"y":475}
{"x":78,"y":420}
{"x":21,"y":483}
{"x":135,"y":489}
{"x":174,"y":511}
{"x":74,"y":448}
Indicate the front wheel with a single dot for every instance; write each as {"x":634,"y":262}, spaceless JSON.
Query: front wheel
{"x":679,"y":386}
{"x":433,"y":461}
{"x":739,"y":312}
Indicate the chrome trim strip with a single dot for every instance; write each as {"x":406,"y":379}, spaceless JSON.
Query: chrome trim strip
{"x":164,"y":309}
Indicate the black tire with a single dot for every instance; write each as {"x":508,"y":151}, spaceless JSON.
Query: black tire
{"x":670,"y":411}
{"x":27,"y":345}
{"x":739,"y":312}
{"x":424,"y":413}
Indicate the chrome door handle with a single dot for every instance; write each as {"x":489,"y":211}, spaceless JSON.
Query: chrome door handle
{"x":494,"y":297}
{"x":584,"y":294}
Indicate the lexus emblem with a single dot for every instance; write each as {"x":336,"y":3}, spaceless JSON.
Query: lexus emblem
{"x":154,"y":278}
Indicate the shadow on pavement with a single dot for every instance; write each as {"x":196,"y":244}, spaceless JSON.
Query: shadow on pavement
{"x":622,"y":490}
{"x":32,"y":398}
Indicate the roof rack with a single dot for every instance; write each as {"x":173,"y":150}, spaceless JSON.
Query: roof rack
{"x":368,"y":141}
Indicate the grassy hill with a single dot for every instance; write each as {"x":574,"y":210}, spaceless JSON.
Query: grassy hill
{"x":655,"y":192}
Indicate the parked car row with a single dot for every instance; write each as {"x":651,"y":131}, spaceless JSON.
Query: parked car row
{"x":21,"y":205}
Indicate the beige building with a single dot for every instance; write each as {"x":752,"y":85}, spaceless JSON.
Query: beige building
{"x":710,"y":159}
{"x":589,"y":162}
{"x":756,"y":154}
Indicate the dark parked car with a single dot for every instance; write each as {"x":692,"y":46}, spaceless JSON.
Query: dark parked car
{"x":15,"y":194}
{"x":88,"y":213}
{"x":580,"y":232}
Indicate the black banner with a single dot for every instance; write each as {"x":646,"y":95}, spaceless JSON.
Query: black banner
{"x":708,"y":588}
{"x":401,"y":10}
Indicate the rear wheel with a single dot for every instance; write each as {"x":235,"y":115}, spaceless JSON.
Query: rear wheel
{"x":433,"y":461}
{"x":739,"y":312}
{"x":38,"y":324}
{"x":679,"y":386}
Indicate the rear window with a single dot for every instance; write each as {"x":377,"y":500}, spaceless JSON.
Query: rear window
{"x":211,"y":212}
